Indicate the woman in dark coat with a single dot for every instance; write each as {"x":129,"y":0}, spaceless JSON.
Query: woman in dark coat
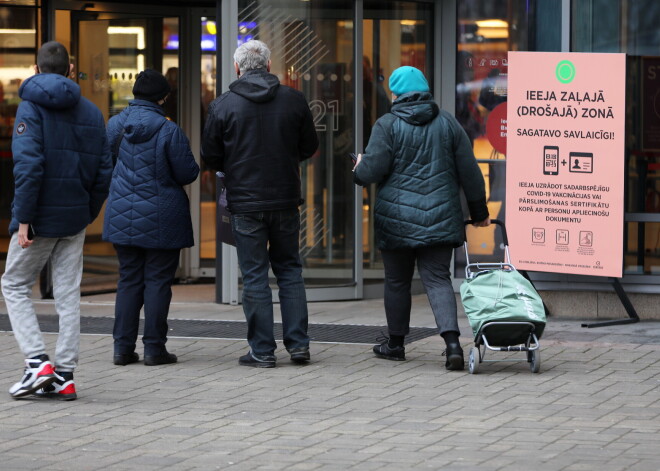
{"x":147,"y":217}
{"x":420,"y":157}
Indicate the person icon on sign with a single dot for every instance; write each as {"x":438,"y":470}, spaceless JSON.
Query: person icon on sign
{"x":576,"y":165}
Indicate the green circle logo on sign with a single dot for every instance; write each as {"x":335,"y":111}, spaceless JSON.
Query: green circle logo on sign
{"x":565,"y":71}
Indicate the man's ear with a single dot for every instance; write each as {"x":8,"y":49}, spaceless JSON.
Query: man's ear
{"x":268,"y":66}
{"x":70,"y":75}
{"x":36,"y":68}
{"x":237,"y":69}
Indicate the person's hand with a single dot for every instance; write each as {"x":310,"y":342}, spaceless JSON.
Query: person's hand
{"x":484,"y":223}
{"x":23,"y":240}
{"x":357,"y":161}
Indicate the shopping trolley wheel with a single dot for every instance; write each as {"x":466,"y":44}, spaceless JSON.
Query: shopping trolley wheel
{"x":473,"y":360}
{"x":534,"y":361}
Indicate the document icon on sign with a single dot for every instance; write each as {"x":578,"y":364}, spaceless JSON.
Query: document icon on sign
{"x":562,"y":237}
{"x":581,"y":162}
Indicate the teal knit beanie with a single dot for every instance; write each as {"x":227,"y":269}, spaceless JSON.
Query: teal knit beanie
{"x":408,"y":79}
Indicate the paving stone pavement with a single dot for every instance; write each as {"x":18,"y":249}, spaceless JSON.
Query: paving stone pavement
{"x":595,"y":405}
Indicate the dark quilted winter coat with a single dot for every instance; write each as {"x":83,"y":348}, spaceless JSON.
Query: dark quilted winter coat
{"x":147,"y":206}
{"x":421,"y":157}
{"x":62,"y":163}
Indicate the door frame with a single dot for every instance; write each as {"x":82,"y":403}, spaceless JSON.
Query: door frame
{"x":189,"y":58}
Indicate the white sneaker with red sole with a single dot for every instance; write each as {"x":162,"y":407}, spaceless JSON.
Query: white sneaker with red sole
{"x":63,"y":388}
{"x":38,"y":374}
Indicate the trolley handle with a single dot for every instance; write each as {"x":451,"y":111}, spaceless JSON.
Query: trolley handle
{"x":505,"y":240}
{"x":497,"y":222}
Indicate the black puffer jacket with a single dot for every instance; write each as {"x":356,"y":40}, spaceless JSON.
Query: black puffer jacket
{"x":257,"y":133}
{"x":421,"y":157}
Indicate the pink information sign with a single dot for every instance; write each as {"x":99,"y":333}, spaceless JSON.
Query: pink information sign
{"x":565,"y":162}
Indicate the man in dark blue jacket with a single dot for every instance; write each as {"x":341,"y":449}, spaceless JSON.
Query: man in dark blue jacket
{"x":257,"y":133}
{"x":62,"y":170}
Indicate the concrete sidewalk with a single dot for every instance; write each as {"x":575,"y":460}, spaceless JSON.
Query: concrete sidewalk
{"x":594,"y":405}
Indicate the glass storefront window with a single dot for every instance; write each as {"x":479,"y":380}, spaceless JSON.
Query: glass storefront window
{"x":632,"y":28}
{"x":394,"y":34}
{"x":18,"y":37}
{"x":487,"y":31}
{"x":207,"y":229}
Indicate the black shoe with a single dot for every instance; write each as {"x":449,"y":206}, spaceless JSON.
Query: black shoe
{"x":162,"y":359}
{"x":264,"y":361}
{"x":125,"y":358}
{"x":390,"y":353}
{"x":300,"y":355}
{"x":454,"y":354}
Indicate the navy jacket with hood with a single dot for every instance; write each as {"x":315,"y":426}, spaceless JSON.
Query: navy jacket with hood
{"x":62,"y":163}
{"x":257,"y":133}
{"x":421,"y":158}
{"x":148,"y":206}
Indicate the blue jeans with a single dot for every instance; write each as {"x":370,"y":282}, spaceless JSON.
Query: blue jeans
{"x":145,"y":279}
{"x":263,"y":238}
{"x":433,"y":266}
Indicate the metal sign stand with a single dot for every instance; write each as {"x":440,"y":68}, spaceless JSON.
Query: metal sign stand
{"x":630,"y":309}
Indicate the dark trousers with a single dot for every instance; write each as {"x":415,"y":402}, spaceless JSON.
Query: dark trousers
{"x":271,"y":238}
{"x":145,"y":279}
{"x":433,"y":266}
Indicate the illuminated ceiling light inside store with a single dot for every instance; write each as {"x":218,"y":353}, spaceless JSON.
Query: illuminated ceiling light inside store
{"x":408,"y":22}
{"x":134,"y":30}
{"x":18,"y":31}
{"x":211,"y":27}
{"x":492,"y":24}
{"x":493,"y":29}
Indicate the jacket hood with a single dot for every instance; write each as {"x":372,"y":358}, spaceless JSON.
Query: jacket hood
{"x":256,"y":85}
{"x":416,"y":108}
{"x":143,"y":120}
{"x":50,"y":91}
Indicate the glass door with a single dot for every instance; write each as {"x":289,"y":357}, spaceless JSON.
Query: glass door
{"x":312,"y":51}
{"x":108,"y":49}
{"x":395,"y":34}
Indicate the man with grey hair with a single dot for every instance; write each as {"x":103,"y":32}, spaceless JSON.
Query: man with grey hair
{"x":257,"y":134}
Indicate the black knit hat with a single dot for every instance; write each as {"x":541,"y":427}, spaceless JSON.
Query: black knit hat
{"x":150,"y":85}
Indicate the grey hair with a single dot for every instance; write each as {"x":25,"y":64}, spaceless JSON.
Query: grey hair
{"x":252,"y":55}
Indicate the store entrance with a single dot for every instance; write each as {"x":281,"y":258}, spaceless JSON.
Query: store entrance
{"x":108,"y":50}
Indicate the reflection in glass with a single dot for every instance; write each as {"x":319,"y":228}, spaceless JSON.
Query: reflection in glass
{"x":642,"y":255}
{"x":598,"y":27}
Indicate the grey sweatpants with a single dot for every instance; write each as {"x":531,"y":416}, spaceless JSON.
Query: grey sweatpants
{"x":21,"y":271}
